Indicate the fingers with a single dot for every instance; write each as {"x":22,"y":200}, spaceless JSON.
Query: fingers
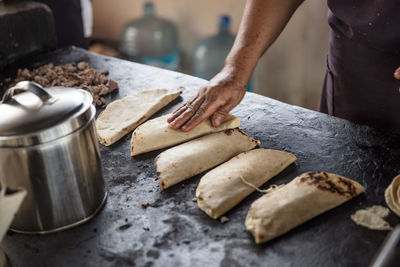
{"x":216,"y":99}
{"x":397,"y":73}
{"x":180,"y":109}
{"x":186,"y":113}
{"x":202,"y":113}
{"x":218,"y":117}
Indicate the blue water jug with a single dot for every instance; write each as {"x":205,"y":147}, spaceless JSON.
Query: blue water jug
{"x":151,"y":40}
{"x":210,"y":53}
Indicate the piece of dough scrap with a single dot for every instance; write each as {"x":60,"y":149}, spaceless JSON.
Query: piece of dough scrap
{"x":305,"y":197}
{"x":122,"y":116}
{"x":188,"y":159}
{"x":222,"y":188}
{"x":156,"y":133}
{"x":372,"y":218}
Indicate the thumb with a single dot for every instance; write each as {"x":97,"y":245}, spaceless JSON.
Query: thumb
{"x":218,"y":117}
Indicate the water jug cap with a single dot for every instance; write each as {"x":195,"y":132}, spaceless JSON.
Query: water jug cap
{"x":224,"y":21}
{"x":149,"y":8}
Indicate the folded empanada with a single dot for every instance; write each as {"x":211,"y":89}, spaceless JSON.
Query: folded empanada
{"x":305,"y":197}
{"x":225,"y":186}
{"x":156,"y":133}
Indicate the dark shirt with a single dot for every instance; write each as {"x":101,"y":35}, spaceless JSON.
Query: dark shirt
{"x":364,"y":53}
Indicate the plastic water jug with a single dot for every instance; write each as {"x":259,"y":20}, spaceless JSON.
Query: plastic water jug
{"x":151,"y":40}
{"x":210,"y":53}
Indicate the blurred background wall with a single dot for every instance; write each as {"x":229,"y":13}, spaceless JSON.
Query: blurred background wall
{"x":291,"y":71}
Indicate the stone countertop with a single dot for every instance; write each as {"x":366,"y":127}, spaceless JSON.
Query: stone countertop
{"x":173,"y":231}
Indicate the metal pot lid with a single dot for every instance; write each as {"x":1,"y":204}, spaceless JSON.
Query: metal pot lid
{"x":37,"y":115}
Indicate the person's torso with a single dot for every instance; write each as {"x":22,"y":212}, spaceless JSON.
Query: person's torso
{"x":364,"y":53}
{"x":374,"y":23}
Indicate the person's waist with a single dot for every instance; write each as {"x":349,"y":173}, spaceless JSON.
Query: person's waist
{"x":350,"y":58}
{"x":378,"y":40}
{"x":341,"y":44}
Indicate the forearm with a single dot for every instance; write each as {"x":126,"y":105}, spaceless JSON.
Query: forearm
{"x":262,"y":22}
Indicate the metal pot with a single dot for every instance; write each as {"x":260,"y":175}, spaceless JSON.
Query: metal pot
{"x":48,"y":145}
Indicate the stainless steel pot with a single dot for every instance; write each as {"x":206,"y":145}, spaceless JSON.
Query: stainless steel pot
{"x":48,"y":145}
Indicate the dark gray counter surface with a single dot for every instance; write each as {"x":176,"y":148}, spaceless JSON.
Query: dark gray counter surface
{"x":172,"y":231}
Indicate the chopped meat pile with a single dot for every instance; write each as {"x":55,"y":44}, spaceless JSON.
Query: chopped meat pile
{"x":78,"y":75}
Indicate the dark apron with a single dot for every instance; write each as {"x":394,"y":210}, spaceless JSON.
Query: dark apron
{"x":364,"y":53}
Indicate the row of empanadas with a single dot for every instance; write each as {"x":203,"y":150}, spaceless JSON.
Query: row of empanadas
{"x":305,"y":197}
{"x":240,"y":172}
{"x":222,"y":188}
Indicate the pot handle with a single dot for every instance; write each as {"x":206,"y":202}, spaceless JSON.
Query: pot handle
{"x":32,"y":87}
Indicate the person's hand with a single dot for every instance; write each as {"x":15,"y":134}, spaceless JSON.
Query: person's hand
{"x":397,"y":75}
{"x":216,"y":99}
